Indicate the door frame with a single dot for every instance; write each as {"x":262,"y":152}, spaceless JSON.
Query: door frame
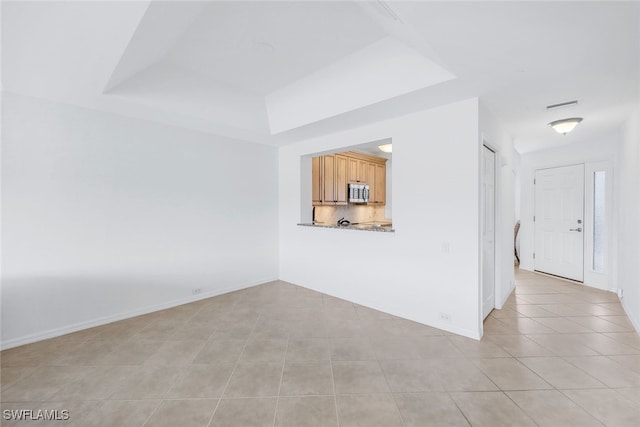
{"x":590,"y":278}
{"x":497,"y":218}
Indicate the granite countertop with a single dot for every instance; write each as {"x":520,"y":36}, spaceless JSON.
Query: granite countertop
{"x":365,"y":226}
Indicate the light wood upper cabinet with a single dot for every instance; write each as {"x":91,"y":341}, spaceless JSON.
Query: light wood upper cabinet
{"x":363,"y":173}
{"x":329,"y":187}
{"x":329,"y":180}
{"x":331,"y":175}
{"x":381,"y":184}
{"x":357,"y":170}
{"x":316,"y":180}
{"x":340,"y":180}
{"x":374,"y":173}
{"x":371,"y":173}
{"x":352,"y":169}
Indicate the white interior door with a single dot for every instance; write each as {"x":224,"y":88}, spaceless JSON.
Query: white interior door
{"x":488,"y":230}
{"x":559,"y":215}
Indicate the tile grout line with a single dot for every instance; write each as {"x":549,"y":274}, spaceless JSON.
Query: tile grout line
{"x":386,"y":380}
{"x":564,"y":358}
{"x":154,"y":411}
{"x":183,"y":372}
{"x":518,"y":406}
{"x":534,"y":373}
{"x":284,"y":361}
{"x":333,"y":382}
{"x":224,"y":390}
{"x":459,"y":408}
{"x":581,"y":406}
{"x":184,"y":369}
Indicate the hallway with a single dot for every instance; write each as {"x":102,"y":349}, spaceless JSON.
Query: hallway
{"x":578,"y":340}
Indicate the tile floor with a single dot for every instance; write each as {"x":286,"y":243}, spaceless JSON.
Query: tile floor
{"x":557,"y":354}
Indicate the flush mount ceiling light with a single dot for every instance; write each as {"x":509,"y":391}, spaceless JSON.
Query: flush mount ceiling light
{"x":565,"y":126}
{"x":385,"y":148}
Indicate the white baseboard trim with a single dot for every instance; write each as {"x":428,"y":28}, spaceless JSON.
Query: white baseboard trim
{"x":52,"y":333}
{"x":633,"y":321}
{"x":475,"y":335}
{"x":502,"y":299}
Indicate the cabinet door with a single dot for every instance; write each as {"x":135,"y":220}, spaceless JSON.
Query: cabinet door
{"x":381,"y":184}
{"x":329,"y":186}
{"x":371,"y":173}
{"x":352,"y":170}
{"x":316,"y":180}
{"x":340,"y":180}
{"x":363,"y":169}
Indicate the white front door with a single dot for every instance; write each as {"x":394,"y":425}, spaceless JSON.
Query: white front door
{"x":558,"y":221}
{"x":488,"y":230}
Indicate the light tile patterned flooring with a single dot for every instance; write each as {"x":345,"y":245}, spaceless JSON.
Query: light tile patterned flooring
{"x":557,"y":354}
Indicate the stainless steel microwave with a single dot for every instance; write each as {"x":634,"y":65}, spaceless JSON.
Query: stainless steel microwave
{"x":358,"y":192}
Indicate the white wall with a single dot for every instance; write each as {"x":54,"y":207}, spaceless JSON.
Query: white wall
{"x":435,"y":201}
{"x":627,"y":207}
{"x":600,"y":149}
{"x":495,"y":137}
{"x":104,"y":217}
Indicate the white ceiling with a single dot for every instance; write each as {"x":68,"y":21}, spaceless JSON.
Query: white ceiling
{"x":521,"y":57}
{"x":218,"y":66}
{"x":259,"y":47}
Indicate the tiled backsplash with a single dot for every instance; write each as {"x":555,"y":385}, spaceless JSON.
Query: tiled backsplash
{"x":354,"y":213}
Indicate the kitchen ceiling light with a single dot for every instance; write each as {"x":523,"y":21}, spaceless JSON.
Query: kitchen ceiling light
{"x":386,"y":148}
{"x":565,"y":126}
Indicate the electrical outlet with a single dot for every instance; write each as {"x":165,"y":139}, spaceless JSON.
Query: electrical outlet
{"x":196,"y":291}
{"x":620,"y":294}
{"x":445,"y":247}
{"x":445,"y":317}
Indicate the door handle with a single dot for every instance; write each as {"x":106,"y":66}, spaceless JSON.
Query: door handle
{"x":579,"y":229}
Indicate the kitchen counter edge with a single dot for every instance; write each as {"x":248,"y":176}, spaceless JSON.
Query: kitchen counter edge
{"x":349,"y":227}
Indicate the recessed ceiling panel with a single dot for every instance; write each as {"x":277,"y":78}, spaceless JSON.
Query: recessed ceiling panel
{"x":262,"y":46}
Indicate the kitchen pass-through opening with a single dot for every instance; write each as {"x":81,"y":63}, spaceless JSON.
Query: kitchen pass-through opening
{"x":348,"y":187}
